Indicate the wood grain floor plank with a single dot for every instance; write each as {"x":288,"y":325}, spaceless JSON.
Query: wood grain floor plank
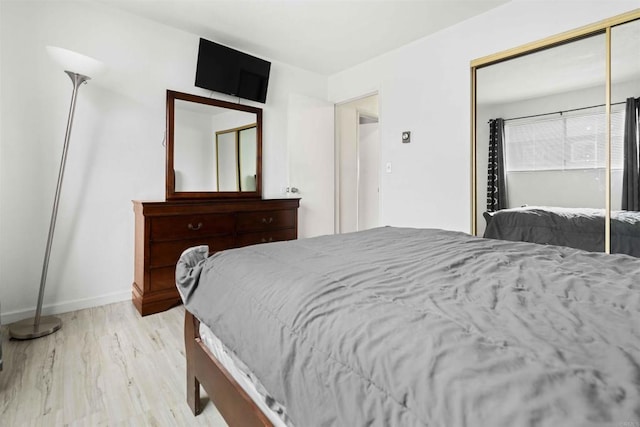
{"x":107,"y":366}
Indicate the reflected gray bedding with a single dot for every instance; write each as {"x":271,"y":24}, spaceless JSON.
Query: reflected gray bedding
{"x":420,"y":327}
{"x":580,"y":228}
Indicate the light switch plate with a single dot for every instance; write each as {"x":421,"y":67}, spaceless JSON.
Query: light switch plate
{"x":406,"y":137}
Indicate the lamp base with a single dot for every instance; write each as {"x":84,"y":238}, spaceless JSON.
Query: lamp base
{"x":26,"y":329}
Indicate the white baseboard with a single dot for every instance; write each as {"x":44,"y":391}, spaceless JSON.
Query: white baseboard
{"x":65,"y":306}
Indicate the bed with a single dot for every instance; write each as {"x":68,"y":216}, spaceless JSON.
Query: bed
{"x":580,"y":228}
{"x":409,"y":327}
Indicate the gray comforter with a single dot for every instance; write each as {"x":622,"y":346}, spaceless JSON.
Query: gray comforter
{"x":411,"y":327}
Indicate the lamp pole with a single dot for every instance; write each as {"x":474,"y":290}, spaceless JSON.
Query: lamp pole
{"x":45,"y":325}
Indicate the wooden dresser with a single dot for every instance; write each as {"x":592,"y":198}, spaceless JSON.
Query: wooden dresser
{"x":164,"y":229}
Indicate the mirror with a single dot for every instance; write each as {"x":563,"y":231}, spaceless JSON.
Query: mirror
{"x":545,"y":119}
{"x":214,"y":148}
{"x":550,"y":109}
{"x":625,"y":179}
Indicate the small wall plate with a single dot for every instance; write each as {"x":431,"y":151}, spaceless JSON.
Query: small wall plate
{"x":406,"y":137}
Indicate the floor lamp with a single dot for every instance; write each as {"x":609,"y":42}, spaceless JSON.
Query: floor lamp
{"x":82,"y":67}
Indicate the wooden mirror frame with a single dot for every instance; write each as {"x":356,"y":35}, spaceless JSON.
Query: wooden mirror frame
{"x":602,"y":27}
{"x":171,"y":193}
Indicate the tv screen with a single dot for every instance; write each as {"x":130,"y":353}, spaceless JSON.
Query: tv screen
{"x":229,"y":71}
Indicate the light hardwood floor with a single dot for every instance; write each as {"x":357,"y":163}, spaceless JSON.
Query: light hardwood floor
{"x":106,"y":366}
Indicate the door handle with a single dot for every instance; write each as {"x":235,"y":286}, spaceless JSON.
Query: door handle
{"x":292,"y":190}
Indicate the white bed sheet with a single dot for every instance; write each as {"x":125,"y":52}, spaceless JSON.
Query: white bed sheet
{"x":244,"y":377}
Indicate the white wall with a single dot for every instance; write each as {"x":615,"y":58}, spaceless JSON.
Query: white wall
{"x":194,"y":156}
{"x":424,"y":87}
{"x":116,"y":152}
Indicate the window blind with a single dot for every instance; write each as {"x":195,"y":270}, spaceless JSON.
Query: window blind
{"x":563,"y":143}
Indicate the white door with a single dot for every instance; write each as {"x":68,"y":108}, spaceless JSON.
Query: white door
{"x":310,"y":136}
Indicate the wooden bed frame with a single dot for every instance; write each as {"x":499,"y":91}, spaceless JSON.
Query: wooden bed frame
{"x":235,"y":405}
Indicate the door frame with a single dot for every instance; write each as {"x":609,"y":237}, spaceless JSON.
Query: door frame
{"x":361,"y":113}
{"x":337,"y":157}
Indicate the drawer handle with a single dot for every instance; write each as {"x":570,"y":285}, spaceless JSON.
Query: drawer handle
{"x":264,"y":240}
{"x":194,"y":227}
{"x":267,"y":221}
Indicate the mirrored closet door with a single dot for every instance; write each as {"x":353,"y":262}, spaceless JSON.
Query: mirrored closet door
{"x":625,"y":106}
{"x":548,"y":141}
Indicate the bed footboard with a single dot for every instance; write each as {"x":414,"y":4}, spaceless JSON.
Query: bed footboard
{"x":232,"y":401}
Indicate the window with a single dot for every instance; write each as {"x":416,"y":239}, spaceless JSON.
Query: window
{"x":563,"y":143}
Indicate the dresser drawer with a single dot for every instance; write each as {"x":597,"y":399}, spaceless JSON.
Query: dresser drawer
{"x":167,"y":253}
{"x":266,"y":220}
{"x":247,"y":239}
{"x":163,"y":278}
{"x":190,"y":226}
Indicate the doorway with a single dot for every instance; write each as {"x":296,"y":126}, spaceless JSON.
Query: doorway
{"x":357,"y":165}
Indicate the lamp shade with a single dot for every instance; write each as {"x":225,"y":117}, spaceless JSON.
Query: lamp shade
{"x":75,"y":62}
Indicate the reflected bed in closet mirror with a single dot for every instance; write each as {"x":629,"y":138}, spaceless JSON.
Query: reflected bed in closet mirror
{"x":573,"y":227}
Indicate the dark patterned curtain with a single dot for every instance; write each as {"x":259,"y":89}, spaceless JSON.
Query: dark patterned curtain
{"x":496,"y":187}
{"x":631,"y":171}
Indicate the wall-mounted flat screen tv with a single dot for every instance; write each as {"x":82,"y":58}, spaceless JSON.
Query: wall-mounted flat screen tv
{"x":229,"y":71}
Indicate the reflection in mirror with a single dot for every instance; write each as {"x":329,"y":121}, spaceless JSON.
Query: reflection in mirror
{"x":540,"y":146}
{"x":198,"y":164}
{"x":227,"y":161}
{"x":236,"y":159}
{"x":247,"y":154}
{"x":213,"y":148}
{"x":193,"y":155}
{"x":625,"y":176}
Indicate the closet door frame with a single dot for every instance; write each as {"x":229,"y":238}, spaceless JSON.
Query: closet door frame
{"x":601,"y":27}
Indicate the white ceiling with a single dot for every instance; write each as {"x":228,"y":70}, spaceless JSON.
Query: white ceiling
{"x":324,"y":36}
{"x":564,"y":68}
{"x":569,"y":67}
